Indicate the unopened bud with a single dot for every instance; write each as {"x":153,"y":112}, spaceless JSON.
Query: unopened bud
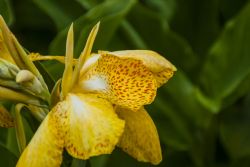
{"x":24,"y":76}
{"x":29,"y":81}
{"x":8,"y":70}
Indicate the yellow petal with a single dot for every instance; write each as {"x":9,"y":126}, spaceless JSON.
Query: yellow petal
{"x":140,"y":138}
{"x":46,"y":146}
{"x":94,"y":128}
{"x":68,"y":70}
{"x":161,"y":67}
{"x":123,"y":81}
{"x":6,"y":120}
{"x":4,"y":53}
{"x":86,"y":53}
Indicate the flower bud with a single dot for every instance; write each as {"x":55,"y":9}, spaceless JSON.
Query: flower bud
{"x":24,"y":76}
{"x":8,"y":70}
{"x":29,"y":81}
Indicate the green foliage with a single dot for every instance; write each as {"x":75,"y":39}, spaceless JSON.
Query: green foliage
{"x":202,"y":114}
{"x":6,"y":11}
{"x":7,"y":158}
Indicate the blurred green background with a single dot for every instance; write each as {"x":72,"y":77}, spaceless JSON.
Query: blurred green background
{"x":202,"y":114}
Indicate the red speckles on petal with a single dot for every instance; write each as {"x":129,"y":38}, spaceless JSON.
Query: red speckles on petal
{"x":6,"y":120}
{"x":161,"y":68}
{"x":93,"y":126}
{"x":164,"y":76}
{"x":129,"y":82}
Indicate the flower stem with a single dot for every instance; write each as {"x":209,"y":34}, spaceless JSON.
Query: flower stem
{"x":37,"y":112}
{"x":8,"y":94}
{"x":20,"y":133}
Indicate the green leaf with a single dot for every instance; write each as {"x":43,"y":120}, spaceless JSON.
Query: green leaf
{"x":229,"y":8}
{"x":242,"y":162}
{"x":99,"y":161}
{"x":176,"y":159}
{"x":241,"y":90}
{"x":110,"y":13}
{"x":7,"y":158}
{"x":121,"y":159}
{"x":198,"y":22}
{"x":11,"y":140}
{"x":234,"y":129}
{"x":227,"y":64}
{"x":183,"y":121}
{"x":6,"y":11}
{"x":3,"y":134}
{"x":164,"y":8}
{"x":11,"y":143}
{"x":60,"y":12}
{"x":78,"y":163}
{"x":89,"y":3}
{"x":172,"y":128}
{"x":27,"y":22}
{"x":170,"y":159}
{"x":188,"y":100}
{"x":159,"y":37}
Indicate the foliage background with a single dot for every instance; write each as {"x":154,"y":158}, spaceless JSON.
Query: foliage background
{"x":202,"y":114}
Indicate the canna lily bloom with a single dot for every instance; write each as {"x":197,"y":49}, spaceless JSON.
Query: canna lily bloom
{"x":100,"y":106}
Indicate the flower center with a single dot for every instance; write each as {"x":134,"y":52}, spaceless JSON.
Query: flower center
{"x":95,"y":83}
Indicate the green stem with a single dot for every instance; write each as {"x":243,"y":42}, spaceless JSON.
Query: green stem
{"x":9,"y":83}
{"x":37,"y":112}
{"x":20,"y":133}
{"x":8,"y":94}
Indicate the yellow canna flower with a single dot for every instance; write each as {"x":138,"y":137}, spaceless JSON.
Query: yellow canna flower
{"x":101,"y":106}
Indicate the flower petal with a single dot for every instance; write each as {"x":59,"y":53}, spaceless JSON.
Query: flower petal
{"x":6,"y":120}
{"x":163,"y":70}
{"x":46,"y":146}
{"x":4,"y":53}
{"x":93,"y":127}
{"x":123,"y":81}
{"x":140,"y":138}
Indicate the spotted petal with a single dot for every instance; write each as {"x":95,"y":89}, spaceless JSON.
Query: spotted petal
{"x":162,"y":69}
{"x":46,"y":146}
{"x":6,"y":120}
{"x":93,"y":127}
{"x":123,"y":81}
{"x":140,"y":138}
